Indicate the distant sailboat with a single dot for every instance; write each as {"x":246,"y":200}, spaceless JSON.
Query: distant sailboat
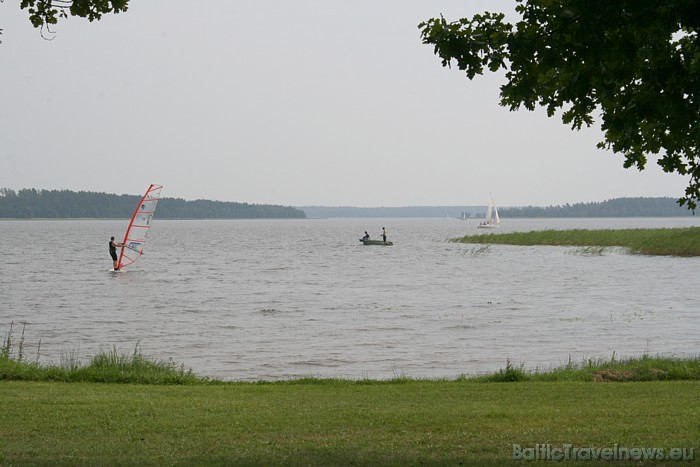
{"x":492,"y":221}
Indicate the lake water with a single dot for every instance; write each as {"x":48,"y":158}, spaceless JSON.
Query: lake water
{"x":279,"y":299}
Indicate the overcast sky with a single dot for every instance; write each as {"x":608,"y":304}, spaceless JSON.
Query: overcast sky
{"x":310,"y":102}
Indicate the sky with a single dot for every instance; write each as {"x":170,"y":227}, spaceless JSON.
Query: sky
{"x":310,"y":102}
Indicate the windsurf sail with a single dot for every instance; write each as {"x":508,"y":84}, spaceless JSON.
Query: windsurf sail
{"x":135,"y":237}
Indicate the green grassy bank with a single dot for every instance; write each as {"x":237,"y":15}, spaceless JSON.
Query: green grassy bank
{"x":674,"y":242}
{"x":96,"y":414}
{"x":336,"y":422}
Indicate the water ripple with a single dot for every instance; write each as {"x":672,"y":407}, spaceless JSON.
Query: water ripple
{"x":246,"y":300}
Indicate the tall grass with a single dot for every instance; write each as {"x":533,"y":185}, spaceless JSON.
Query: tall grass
{"x":8,"y":345}
{"x":115,"y":367}
{"x":644,"y":368}
{"x":106,"y":367}
{"x":670,"y":242}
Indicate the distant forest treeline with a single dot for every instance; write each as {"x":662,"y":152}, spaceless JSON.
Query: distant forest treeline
{"x":31,"y":203}
{"x":618,"y":207}
{"x":325,"y":212}
{"x":55,"y":204}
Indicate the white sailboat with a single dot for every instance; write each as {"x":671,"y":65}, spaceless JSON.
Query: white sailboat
{"x":491,"y":221}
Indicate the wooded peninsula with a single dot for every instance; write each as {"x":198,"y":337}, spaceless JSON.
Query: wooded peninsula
{"x":30,"y":203}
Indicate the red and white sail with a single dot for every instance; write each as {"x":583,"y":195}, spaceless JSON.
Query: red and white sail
{"x":132,"y":246}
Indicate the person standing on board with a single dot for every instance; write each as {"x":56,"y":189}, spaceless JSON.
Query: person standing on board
{"x":113,"y":252}
{"x":384,"y":234}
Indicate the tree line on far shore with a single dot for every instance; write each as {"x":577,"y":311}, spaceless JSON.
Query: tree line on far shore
{"x":618,"y":207}
{"x":29,"y":203}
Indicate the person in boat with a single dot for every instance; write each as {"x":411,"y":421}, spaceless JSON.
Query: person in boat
{"x":113,"y":252}
{"x":366,"y":237}
{"x":384,"y":234}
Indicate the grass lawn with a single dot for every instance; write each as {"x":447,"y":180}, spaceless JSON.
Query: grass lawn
{"x":133,"y":410}
{"x":336,"y":422}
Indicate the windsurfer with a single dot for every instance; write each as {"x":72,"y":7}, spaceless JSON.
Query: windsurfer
{"x":113,"y":252}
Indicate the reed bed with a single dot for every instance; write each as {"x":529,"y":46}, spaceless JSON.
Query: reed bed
{"x":666,"y":242}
